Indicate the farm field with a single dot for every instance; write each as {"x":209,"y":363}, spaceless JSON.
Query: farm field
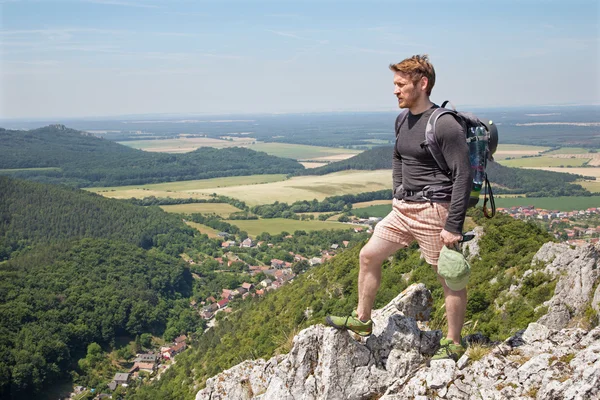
{"x":551,"y":203}
{"x":28,"y":169}
{"x":212,"y":233}
{"x":380,"y":210}
{"x":592,"y":186}
{"x":278,"y":225}
{"x":308,"y":164}
{"x":307,"y":187}
{"x":595,"y":172}
{"x":185,"y":144}
{"x":285,"y":150}
{"x":222,"y":209}
{"x":365,"y":204}
{"x":544,"y":161}
{"x":571,"y":150}
{"x":304,"y":152}
{"x":183,"y":189}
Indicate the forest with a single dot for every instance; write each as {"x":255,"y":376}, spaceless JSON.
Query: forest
{"x":78,"y":159}
{"x":82,"y":269}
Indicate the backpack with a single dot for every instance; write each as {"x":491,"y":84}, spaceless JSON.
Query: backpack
{"x":482,"y":138}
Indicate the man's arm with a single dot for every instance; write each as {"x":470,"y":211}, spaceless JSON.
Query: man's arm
{"x":452,"y":140}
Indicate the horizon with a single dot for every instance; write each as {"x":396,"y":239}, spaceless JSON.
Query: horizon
{"x":86,"y":59}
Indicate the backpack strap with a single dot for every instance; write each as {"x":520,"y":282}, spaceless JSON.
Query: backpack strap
{"x":400,"y":120}
{"x":488,"y":189}
{"x":431,"y":143}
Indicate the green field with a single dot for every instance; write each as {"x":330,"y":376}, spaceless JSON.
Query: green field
{"x":183,"y":189}
{"x":308,"y":187}
{"x":570,"y":150}
{"x":222,"y":209}
{"x":278,"y":225}
{"x":544,"y":162}
{"x":551,"y":203}
{"x":520,"y":147}
{"x":380,"y":210}
{"x":2,"y":171}
{"x":212,"y":233}
{"x":300,"y":151}
{"x":592,"y":186}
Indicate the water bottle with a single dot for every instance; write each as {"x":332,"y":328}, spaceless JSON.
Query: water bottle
{"x":477,"y":156}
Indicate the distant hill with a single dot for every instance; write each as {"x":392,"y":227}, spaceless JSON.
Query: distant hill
{"x":82,"y":160}
{"x":33,"y":213}
{"x":534,"y":183}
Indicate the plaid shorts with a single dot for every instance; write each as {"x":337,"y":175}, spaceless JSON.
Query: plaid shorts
{"x":420,"y":221}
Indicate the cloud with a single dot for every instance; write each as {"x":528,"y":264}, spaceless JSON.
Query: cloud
{"x":286,"y":34}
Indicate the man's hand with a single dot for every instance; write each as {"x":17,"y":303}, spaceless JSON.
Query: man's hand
{"x":449,"y":238}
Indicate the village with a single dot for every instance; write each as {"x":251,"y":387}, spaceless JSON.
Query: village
{"x":278,"y":273}
{"x":573,"y":227}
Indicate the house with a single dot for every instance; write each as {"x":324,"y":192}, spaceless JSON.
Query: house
{"x":211,"y":299}
{"x":247,"y":286}
{"x":275,"y":263}
{"x":121,"y":378}
{"x":211,"y":307}
{"x":193,"y":303}
{"x":247,"y":243}
{"x":143,"y":366}
{"x":178,"y":348}
{"x":180,"y":339}
{"x":345,"y":243}
{"x":260,"y":292}
{"x":226,"y":294}
{"x":265,"y":282}
{"x":334,"y":246}
{"x":357,"y":230}
{"x":315,"y":261}
{"x":223,"y":303}
{"x":146,"y":358}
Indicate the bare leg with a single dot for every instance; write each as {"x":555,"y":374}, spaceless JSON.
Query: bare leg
{"x":456,"y":307}
{"x":372,"y":255}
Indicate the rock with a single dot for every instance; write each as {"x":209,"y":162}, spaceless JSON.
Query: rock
{"x":471,"y":248}
{"x":415,"y":302}
{"x":557,"y":317}
{"x":536,"y":332}
{"x":577,"y":273}
{"x":462,"y":361}
{"x":440,"y":373}
{"x":596,"y":301}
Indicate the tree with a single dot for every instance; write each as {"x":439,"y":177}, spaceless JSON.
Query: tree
{"x":300,"y":266}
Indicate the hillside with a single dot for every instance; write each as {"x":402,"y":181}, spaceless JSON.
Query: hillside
{"x":82,"y":269}
{"x":533,"y":183}
{"x":33,"y":213}
{"x":262,"y":328}
{"x":63,"y":155}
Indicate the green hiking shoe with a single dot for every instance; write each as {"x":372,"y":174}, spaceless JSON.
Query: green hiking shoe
{"x":351,"y":323}
{"x":449,"y":350}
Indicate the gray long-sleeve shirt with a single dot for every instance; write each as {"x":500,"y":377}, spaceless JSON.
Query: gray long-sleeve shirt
{"x":414,"y":167}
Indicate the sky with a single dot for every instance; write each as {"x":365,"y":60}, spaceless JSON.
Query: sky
{"x":90,"y":58}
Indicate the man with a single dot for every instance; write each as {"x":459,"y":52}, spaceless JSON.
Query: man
{"x":432,"y":220}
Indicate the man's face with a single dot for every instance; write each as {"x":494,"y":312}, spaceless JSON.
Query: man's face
{"x":406,"y":91}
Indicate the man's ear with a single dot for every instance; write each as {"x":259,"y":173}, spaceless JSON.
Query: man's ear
{"x":423,"y":82}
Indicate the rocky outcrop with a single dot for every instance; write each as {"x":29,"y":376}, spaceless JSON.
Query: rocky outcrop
{"x":577,"y":271}
{"x":540,"y":362}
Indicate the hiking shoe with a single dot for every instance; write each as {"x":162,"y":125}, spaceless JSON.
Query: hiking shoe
{"x":449,"y":350}
{"x":351,"y":323}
